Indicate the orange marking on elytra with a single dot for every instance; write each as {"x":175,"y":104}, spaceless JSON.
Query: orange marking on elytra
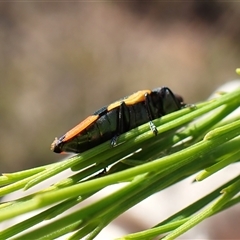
{"x":80,"y":127}
{"x":130,"y":100}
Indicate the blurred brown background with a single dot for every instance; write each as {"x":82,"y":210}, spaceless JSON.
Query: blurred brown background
{"x":62,"y":61}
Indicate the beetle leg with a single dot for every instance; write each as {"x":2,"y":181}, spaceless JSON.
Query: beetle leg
{"x":148,"y":103}
{"x":102,"y":173}
{"x":114,"y":140}
{"x":121,"y":124}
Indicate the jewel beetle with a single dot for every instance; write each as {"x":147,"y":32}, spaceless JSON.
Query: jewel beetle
{"x":117,"y":118}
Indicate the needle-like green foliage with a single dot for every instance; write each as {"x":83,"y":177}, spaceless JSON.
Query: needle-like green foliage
{"x":188,"y":142}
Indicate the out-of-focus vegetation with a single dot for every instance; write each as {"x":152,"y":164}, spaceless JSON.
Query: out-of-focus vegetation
{"x":62,"y":61}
